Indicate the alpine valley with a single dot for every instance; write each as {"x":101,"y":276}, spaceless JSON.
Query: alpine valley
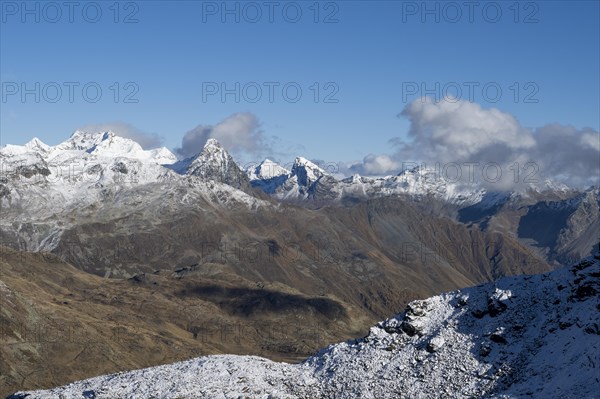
{"x":116,"y":258}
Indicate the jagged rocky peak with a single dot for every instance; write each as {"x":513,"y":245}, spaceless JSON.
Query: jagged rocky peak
{"x":306,"y":171}
{"x":357,"y":179}
{"x":215,"y":163}
{"x":36,"y":144}
{"x":212,"y":159}
{"x":89,"y":141}
{"x":213,"y":144}
{"x":81,"y":140}
{"x":268,"y":176}
{"x":27,"y":160}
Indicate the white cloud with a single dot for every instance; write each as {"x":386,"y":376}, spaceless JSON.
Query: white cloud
{"x":566,"y":151}
{"x":239,"y":133}
{"x":461,"y":129}
{"x":590,"y":139}
{"x":463,"y":132}
{"x":376,"y":165}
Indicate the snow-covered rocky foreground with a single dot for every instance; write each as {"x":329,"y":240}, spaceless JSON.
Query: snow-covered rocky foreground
{"x":526,"y":336}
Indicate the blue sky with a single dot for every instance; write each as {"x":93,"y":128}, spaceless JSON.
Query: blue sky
{"x":371,"y":58}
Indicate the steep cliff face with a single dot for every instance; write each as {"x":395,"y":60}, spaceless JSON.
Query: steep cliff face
{"x":214,"y":163}
{"x":582,"y":229}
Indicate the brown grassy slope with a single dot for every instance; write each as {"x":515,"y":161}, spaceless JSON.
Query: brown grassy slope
{"x":60,"y":324}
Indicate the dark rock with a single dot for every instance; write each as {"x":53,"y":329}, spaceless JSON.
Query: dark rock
{"x":138,"y":278}
{"x":485,"y":350}
{"x":411,"y":328}
{"x":498,"y":338}
{"x":391,"y":348}
{"x":120,"y":167}
{"x":564,"y":325}
{"x":274,"y":247}
{"x":29,"y":171}
{"x":4,"y":191}
{"x":180,"y":270}
{"x":496,"y":307}
{"x":592,"y":328}
{"x":585,"y":291}
{"x":95,"y":170}
{"x":392,"y":329}
{"x":582,"y":265}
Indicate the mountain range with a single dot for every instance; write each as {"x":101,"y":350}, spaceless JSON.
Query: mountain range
{"x":87,"y":167}
{"x":101,"y":223}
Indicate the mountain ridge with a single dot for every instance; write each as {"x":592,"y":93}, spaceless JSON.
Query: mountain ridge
{"x":87,"y":166}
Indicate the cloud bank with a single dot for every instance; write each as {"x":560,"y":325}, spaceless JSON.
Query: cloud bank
{"x":491,"y":141}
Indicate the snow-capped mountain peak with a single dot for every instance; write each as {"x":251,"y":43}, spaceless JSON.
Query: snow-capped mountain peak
{"x":306,"y":171}
{"x":215,"y":163}
{"x":163,"y":156}
{"x":111,"y":144}
{"x":103,"y":145}
{"x":212,"y":159}
{"x":38,"y":182}
{"x":303,"y":162}
{"x":36,"y":144}
{"x":267,"y":169}
{"x":552,"y":185}
{"x":213,"y":143}
{"x":356,"y":179}
{"x":81,"y":140}
{"x":268,"y":176}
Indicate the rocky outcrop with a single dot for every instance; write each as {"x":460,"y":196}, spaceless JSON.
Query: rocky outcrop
{"x":215,"y":163}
